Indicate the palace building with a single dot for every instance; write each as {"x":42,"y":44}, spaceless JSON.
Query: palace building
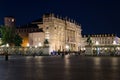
{"x":62,"y":34}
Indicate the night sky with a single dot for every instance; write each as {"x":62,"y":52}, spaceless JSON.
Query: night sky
{"x":95,"y":16}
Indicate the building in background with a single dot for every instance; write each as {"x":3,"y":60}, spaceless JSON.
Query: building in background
{"x":103,"y":41}
{"x":36,"y":39}
{"x":24,"y":31}
{"x":9,"y":21}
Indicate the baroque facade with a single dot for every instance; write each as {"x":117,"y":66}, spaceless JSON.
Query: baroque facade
{"x":62,"y":34}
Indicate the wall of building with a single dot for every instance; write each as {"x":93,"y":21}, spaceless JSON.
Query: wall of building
{"x":36,"y":39}
{"x":104,"y":39}
{"x":24,"y":33}
{"x":61,"y":33}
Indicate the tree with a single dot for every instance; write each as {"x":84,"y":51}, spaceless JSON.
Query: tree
{"x":89,"y":41}
{"x":17,"y":40}
{"x":8,"y":36}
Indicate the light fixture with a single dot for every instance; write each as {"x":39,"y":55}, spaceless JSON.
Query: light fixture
{"x":114,"y":43}
{"x":39,"y":44}
{"x":7,"y":45}
{"x":28,"y":45}
{"x":97,"y":43}
{"x":67,"y":47}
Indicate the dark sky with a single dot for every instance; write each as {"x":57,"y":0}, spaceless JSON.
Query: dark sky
{"x":95,"y":16}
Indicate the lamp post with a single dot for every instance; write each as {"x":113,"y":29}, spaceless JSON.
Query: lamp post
{"x":67,"y":47}
{"x":6,"y":53}
{"x":28,"y":44}
{"x":114,"y":44}
{"x":35,"y":51}
{"x":27,"y":49}
{"x":97,"y":49}
{"x":39,"y":44}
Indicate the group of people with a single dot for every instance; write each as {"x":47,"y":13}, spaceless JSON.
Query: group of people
{"x":62,"y":53}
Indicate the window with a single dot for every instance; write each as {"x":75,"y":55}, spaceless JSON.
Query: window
{"x":35,"y":39}
{"x":46,"y":27}
{"x":38,"y":39}
{"x":12,"y":20}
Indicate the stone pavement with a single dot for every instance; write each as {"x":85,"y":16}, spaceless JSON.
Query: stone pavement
{"x":58,"y":68}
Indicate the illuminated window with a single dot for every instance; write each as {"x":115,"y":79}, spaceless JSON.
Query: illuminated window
{"x":12,"y":20}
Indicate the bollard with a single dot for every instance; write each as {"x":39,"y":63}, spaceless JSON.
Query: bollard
{"x":6,"y":56}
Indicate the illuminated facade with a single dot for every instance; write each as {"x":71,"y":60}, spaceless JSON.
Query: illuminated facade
{"x":36,"y":39}
{"x":62,"y":34}
{"x":104,"y":39}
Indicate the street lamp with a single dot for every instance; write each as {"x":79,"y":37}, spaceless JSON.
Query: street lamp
{"x":28,"y":44}
{"x":67,"y":47}
{"x":36,"y":46}
{"x":39,"y":44}
{"x":114,"y":43}
{"x":35,"y":51}
{"x":97,"y":49}
{"x":6,"y":53}
{"x":97,"y":43}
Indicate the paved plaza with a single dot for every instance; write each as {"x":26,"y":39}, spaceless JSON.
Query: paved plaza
{"x":59,"y":68}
